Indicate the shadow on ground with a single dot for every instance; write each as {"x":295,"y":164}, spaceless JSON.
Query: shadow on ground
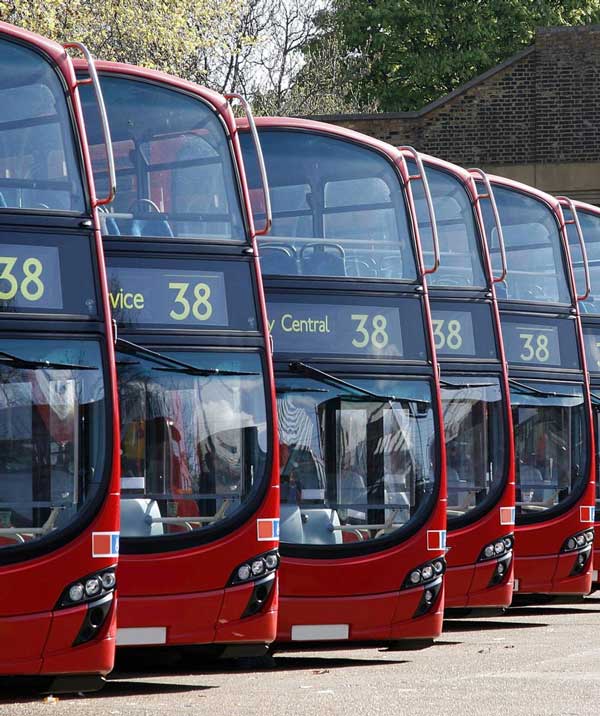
{"x":488,"y":625}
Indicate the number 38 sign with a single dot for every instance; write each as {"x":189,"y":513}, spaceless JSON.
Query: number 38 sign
{"x":29,"y":278}
{"x":149,"y":296}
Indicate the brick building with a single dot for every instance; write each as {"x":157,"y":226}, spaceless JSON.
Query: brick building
{"x":535,"y":117}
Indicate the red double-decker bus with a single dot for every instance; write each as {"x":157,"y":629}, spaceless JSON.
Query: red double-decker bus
{"x":475,"y":393}
{"x":583,"y":220}
{"x":59,"y":468}
{"x":554,"y":442}
{"x":361,"y":453}
{"x":200,"y":486}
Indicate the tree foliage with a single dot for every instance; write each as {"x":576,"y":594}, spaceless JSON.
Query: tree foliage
{"x":169,"y":35}
{"x":410,"y":52}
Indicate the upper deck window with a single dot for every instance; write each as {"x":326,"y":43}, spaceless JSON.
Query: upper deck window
{"x":338,"y":209}
{"x":590,"y":226}
{"x":175,"y":172}
{"x":460,"y":249}
{"x":536,"y":269}
{"x":38,"y":165}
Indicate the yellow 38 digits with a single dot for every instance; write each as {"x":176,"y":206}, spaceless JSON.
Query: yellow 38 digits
{"x":378,"y":337}
{"x":535,"y":346}
{"x":31,"y":287}
{"x":200,"y":307}
{"x":447,"y":334}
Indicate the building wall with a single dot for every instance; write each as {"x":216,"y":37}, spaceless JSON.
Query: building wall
{"x":535,"y":117}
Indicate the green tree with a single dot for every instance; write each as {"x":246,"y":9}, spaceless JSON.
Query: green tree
{"x":410,"y":52}
{"x":170,"y":35}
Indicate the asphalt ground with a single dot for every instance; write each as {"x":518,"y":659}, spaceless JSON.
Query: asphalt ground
{"x":533,"y":660}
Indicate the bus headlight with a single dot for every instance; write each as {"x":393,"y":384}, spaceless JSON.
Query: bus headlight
{"x":255,"y":568}
{"x":578,"y":541}
{"x":76,"y":592}
{"x":424,"y":573}
{"x":497,"y":549}
{"x":88,"y":589}
{"x":93,"y":586}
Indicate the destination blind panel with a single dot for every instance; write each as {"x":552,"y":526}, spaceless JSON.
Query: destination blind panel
{"x":368,"y":328}
{"x":37,"y":270}
{"x":461,"y":331}
{"x":200,"y":295}
{"x":540,"y":342}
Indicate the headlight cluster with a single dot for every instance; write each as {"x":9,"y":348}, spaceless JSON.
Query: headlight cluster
{"x":88,"y":589}
{"x":424,"y":573}
{"x":255,"y":568}
{"x":578,"y":541}
{"x":497,"y":549}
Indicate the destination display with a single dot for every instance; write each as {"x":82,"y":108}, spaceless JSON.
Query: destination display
{"x":169,"y":294}
{"x":30,"y":278}
{"x":362,"y":329}
{"x":540,"y":342}
{"x":591,"y":338}
{"x":463,"y":331}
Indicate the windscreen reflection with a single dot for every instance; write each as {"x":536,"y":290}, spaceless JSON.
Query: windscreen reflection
{"x":354,"y":468}
{"x":193,"y":444}
{"x":52,"y":435}
{"x":550,"y":446}
{"x":475,"y":440}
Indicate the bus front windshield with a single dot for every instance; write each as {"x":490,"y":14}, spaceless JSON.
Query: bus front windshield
{"x":338,"y":209}
{"x":354,"y":467}
{"x":175,"y":171}
{"x":38,"y":165}
{"x":52,"y":435}
{"x":551,"y":446}
{"x":536,"y":269}
{"x":193,"y":438}
{"x":475,"y":443}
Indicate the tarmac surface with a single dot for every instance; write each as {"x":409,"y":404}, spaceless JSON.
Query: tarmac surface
{"x":533,"y":660}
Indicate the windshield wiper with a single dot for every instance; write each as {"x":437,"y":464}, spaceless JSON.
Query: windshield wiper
{"x":281,"y":389}
{"x":529,"y":389}
{"x":175,"y":366}
{"x":25,"y":363}
{"x":461,"y":386}
{"x":324,"y":377}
